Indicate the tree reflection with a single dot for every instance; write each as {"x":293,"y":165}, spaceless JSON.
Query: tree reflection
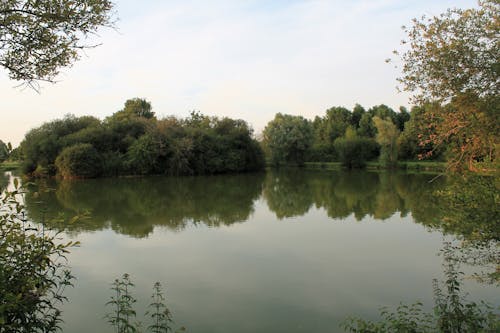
{"x":288,"y":193}
{"x":380,"y":195}
{"x":134,"y":206}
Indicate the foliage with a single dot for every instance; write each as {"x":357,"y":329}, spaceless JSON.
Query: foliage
{"x":288,"y":139}
{"x":39,"y":37}
{"x":454,"y":53}
{"x":366,"y":126}
{"x":41,"y":145}
{"x":452,"y":311}
{"x":336,"y":121}
{"x":79,"y":161}
{"x":4,"y":151}
{"x":471,"y":207}
{"x":135,"y":107}
{"x":355,"y":151}
{"x":15,"y":154}
{"x":145,"y":153}
{"x":133,"y":141}
{"x":402,"y":117}
{"x":384,"y":112}
{"x":34,"y":272}
{"x":160,"y":314}
{"x":387,"y":135}
{"x":410,"y":145}
{"x":122,"y":303}
{"x":468,"y":127}
{"x":453,"y":58}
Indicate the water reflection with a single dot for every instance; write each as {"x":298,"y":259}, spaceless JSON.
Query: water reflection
{"x":4,"y":180}
{"x":134,"y":206}
{"x":377,"y":194}
{"x":305,"y":272}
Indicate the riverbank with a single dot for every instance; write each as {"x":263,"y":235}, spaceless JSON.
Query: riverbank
{"x":9,"y":166}
{"x":375,"y":165}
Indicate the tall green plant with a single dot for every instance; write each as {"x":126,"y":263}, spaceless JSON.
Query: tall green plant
{"x":34,"y":271}
{"x":123,"y":313}
{"x":159,"y":313}
{"x":122,"y":302}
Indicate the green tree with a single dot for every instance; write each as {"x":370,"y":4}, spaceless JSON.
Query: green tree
{"x":135,"y":107}
{"x":354,"y":151}
{"x":39,"y":37}
{"x":410,"y":145}
{"x":43,"y":144}
{"x":4,"y":151}
{"x":288,"y":139}
{"x":401,"y":118}
{"x":454,"y":58}
{"x":387,"y":135}
{"x":383,"y":111}
{"x":357,"y":113}
{"x":366,"y":126}
{"x":337,"y":120}
{"x":79,"y":161}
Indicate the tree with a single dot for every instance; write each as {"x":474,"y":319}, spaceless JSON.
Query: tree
{"x":353,"y":152}
{"x":454,"y":58}
{"x":4,"y":151}
{"x":138,"y":107}
{"x":453,"y":53}
{"x":357,"y":113}
{"x":402,"y":117}
{"x":366,"y":126}
{"x":336,"y":120}
{"x":410,"y":147}
{"x":37,"y":38}
{"x":288,"y":138}
{"x":387,"y":136}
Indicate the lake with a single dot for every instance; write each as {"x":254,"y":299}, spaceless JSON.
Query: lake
{"x":283,"y":251}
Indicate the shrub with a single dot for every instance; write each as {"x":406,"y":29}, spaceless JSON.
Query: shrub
{"x":354,"y":152}
{"x":34,"y":270}
{"x":79,"y":161}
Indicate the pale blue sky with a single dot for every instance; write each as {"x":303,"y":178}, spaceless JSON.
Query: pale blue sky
{"x":245,"y":59}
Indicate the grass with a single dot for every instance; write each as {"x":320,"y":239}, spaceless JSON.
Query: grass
{"x":9,"y":165}
{"x":402,"y":165}
{"x":324,"y":165}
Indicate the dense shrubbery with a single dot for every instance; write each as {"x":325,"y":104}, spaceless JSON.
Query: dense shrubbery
{"x":354,"y":152}
{"x":80,"y":160}
{"x":351,"y":137}
{"x":133,"y":141}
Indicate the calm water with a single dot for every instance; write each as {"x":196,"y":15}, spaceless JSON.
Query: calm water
{"x":289,"y":251}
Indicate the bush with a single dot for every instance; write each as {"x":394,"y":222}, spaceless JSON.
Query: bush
{"x":79,"y":161}
{"x":354,"y":152}
{"x":34,"y":271}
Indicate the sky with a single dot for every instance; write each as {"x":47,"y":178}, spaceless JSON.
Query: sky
{"x":244,"y":59}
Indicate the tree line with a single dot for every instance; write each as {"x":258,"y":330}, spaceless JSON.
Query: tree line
{"x":351,"y":137}
{"x":133,"y":141}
